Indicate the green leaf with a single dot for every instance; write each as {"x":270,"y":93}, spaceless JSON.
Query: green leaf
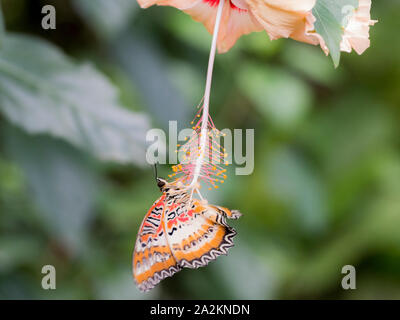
{"x":62,"y":182}
{"x":106,"y":18}
{"x":332,"y":17}
{"x":43,"y":91}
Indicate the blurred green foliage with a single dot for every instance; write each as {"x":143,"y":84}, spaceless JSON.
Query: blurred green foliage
{"x":75,"y":103}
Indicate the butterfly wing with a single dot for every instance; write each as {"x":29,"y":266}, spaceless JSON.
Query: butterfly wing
{"x":153,"y":260}
{"x":198,"y":233}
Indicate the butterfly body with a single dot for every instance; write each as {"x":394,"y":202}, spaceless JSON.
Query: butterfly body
{"x":179,"y":231}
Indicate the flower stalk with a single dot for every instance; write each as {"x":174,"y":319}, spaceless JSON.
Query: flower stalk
{"x":206,"y":104}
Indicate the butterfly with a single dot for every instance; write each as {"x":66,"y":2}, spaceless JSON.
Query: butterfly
{"x":179,"y":231}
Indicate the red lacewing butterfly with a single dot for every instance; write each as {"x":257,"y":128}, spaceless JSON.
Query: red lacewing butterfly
{"x":179,"y":231}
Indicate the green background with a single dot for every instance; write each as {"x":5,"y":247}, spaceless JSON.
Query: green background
{"x":325,"y":191}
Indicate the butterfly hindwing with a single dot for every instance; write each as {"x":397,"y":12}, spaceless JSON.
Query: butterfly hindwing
{"x":197,"y":233}
{"x":153,"y":260}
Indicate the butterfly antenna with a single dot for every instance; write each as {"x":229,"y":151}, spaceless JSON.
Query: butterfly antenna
{"x":155,"y":171}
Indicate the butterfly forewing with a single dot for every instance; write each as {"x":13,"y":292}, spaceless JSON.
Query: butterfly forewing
{"x":152,"y":259}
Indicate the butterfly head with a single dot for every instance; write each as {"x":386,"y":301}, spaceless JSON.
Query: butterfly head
{"x":161,"y":183}
{"x":170,"y":187}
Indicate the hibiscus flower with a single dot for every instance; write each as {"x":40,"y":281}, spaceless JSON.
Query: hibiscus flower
{"x":279,"y":18}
